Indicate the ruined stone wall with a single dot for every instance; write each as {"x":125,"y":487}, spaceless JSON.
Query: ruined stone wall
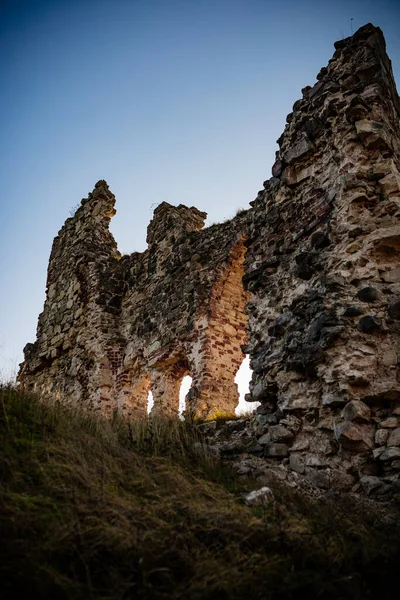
{"x":113,"y":328}
{"x":319,"y":252}
{"x":323,"y":270}
{"x":77,"y":344}
{"x":171,"y":313}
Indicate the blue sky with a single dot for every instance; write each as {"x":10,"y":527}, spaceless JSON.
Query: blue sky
{"x":176,"y":100}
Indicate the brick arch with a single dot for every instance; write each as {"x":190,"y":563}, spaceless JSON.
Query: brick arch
{"x":215,"y":362}
{"x":166,"y":383}
{"x":133,"y":386}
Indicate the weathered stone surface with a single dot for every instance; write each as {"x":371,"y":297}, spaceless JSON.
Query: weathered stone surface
{"x":319,"y":240}
{"x":277,"y":168}
{"x":381,"y":437}
{"x":320,"y":479}
{"x":394,"y":437}
{"x":276,"y":450}
{"x":264,"y":439}
{"x":208,"y":426}
{"x":279,"y":433}
{"x":390,"y":453}
{"x":348,"y":432}
{"x":333,"y":400}
{"x":301,"y":146}
{"x":390,"y":422}
{"x":374,"y":134}
{"x":394,"y":309}
{"x":369,"y":324}
{"x":356,"y":411}
{"x":370,"y":484}
{"x":261,"y":497}
{"x":392,"y":276}
{"x":368,"y":294}
{"x":297,"y":463}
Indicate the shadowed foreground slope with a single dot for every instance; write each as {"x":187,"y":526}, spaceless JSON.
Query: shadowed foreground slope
{"x":98,"y":509}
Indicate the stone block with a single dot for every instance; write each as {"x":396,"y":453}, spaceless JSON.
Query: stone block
{"x":394,"y":309}
{"x":390,"y":422}
{"x":356,"y":411}
{"x":278,"y":168}
{"x":264,"y":439}
{"x":373,"y":134}
{"x":294,"y":175}
{"x":320,"y":479}
{"x":302,"y":146}
{"x":334,"y":400}
{"x":390,"y":184}
{"x":368,"y":294}
{"x":261,"y":497}
{"x":279,"y":433}
{"x":394,"y":437}
{"x":369,"y":324}
{"x":276,"y":450}
{"x":392,"y":276}
{"x":300,"y":444}
{"x":313,"y":460}
{"x":370,"y":484}
{"x":296,"y":463}
{"x":320,"y":240}
{"x":361,"y":436}
{"x":381,"y":437}
{"x":390,"y":453}
{"x":208,"y":426}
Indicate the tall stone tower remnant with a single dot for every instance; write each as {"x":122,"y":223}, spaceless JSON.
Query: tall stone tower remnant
{"x":323,"y":271}
{"x":307,"y":282}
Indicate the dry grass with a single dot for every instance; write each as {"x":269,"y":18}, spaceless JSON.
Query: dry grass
{"x":109,"y":510}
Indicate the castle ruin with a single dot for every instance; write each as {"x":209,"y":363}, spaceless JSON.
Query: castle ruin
{"x":307,"y":282}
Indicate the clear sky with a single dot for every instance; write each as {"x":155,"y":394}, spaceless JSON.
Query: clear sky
{"x":176,"y":100}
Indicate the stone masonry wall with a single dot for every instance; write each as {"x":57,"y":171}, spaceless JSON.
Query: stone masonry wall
{"x":323,"y":271}
{"x":319,"y":303}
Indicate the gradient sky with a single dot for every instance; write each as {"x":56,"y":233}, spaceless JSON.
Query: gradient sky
{"x":175,"y":100}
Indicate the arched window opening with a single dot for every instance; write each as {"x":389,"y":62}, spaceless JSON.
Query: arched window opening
{"x":150,"y":402}
{"x":225,"y":337}
{"x":185,"y":387}
{"x":242,"y":380}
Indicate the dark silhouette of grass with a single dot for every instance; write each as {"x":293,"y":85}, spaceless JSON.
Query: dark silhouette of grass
{"x":107,"y":510}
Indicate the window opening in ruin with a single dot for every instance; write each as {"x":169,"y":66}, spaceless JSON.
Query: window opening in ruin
{"x":226,"y":335}
{"x":185,"y":387}
{"x":242,"y":380}
{"x":150,"y":402}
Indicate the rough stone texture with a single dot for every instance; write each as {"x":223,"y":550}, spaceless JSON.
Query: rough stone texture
{"x":319,"y":252}
{"x":322,"y":268}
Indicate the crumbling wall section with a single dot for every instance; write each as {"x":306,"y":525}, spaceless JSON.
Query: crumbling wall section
{"x":115,"y":328}
{"x":323,"y":270}
{"x":172,"y":310}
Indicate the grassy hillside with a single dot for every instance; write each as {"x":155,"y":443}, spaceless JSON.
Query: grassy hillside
{"x":106,"y":510}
